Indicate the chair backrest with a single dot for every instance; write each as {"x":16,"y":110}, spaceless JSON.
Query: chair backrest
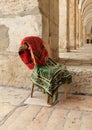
{"x":32,"y":51}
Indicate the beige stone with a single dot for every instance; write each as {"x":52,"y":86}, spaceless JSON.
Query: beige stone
{"x":17,"y":19}
{"x":9,"y":99}
{"x":62,"y":24}
{"x":74,"y":113}
{"x":14,"y":72}
{"x":59,"y":23}
{"x":4,"y":37}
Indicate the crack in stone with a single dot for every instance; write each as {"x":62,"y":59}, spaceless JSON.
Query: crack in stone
{"x":66,"y":119}
{"x":49,"y":117}
{"x":12,"y":111}
{"x":37,"y":114}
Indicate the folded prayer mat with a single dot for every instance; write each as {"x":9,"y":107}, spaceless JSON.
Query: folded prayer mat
{"x":50,"y":76}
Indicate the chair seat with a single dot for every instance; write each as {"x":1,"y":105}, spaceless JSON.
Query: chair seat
{"x":50,"y":76}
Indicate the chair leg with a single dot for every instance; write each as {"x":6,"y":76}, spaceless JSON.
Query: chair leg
{"x":43,"y":91}
{"x":65,"y":91}
{"x":53,"y":99}
{"x":32,"y":89}
{"x":49,"y":99}
{"x":56,"y":94}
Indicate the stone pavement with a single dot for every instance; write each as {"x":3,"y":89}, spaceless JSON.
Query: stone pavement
{"x":73,"y":114}
{"x":80,"y":56}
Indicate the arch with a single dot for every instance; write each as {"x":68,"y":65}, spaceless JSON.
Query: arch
{"x":89,"y":16}
{"x":86,"y":12}
{"x":88,"y":21}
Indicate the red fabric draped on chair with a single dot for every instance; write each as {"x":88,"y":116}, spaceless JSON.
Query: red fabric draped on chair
{"x":35,"y":44}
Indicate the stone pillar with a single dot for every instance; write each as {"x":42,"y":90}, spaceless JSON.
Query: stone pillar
{"x":44,"y":7}
{"x":84,"y":35}
{"x":62,"y":24}
{"x":50,"y":27}
{"x":77,"y":25}
{"x":72,"y":23}
{"x":80,"y":29}
{"x":68,"y":29}
{"x":54,"y":28}
{"x":82,"y":32}
{"x":75,"y":21}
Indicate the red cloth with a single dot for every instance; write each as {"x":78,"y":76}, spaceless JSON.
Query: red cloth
{"x":38,"y":49}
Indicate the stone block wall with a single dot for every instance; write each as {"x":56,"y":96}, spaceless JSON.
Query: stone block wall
{"x":18,"y":18}
{"x":81,"y":81}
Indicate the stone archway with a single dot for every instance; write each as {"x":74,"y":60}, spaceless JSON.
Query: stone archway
{"x":50,"y":24}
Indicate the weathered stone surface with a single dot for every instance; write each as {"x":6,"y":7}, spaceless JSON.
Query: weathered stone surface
{"x":73,"y":113}
{"x":18,"y":18}
{"x":16,"y":7}
{"x":4,"y":37}
{"x":73,"y":120}
{"x":62,"y":24}
{"x":20,"y":27}
{"x":9,"y":99}
{"x":82,"y":80}
{"x":79,"y":63}
{"x":45,"y":28}
{"x":50,"y":19}
{"x":44,"y":5}
{"x":13,"y":72}
{"x":72,"y":24}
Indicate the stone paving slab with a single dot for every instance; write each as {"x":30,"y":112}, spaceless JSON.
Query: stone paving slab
{"x":81,"y":56}
{"x":74,"y":113}
{"x":10,"y":98}
{"x":77,"y":102}
{"x":83,"y":53}
{"x":37,"y":99}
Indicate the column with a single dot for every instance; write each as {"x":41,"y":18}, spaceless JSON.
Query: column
{"x":80,"y":29}
{"x":84,"y":34}
{"x":77,"y":25}
{"x":75,"y":28}
{"x":72,"y":24}
{"x":62,"y":25}
{"x":68,"y":29}
{"x":54,"y":28}
{"x":50,"y":24}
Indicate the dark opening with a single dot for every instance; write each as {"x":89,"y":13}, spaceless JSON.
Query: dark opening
{"x":87,"y":40}
{"x":91,"y":40}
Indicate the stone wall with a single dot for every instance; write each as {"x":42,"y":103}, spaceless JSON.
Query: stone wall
{"x":18,"y":18}
{"x":82,"y":80}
